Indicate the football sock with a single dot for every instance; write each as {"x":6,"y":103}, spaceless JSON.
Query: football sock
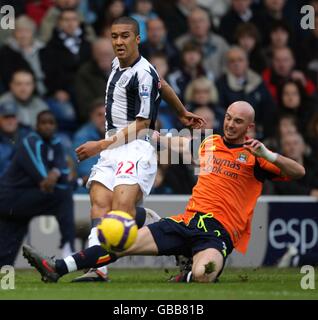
{"x":151,"y":217}
{"x":66,"y":250}
{"x":187,"y":277}
{"x":140,"y":216}
{"x":93,"y":241}
{"x":93,"y":257}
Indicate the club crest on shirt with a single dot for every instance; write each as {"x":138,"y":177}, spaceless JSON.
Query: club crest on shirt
{"x":242,"y":157}
{"x":123,"y":80}
{"x":144,"y":91}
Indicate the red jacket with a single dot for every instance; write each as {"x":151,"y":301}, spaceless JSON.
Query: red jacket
{"x":267,"y":77}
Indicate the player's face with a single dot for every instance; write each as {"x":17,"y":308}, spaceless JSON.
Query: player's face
{"x":235,"y":127}
{"x":125,"y":42}
{"x":46,"y":126}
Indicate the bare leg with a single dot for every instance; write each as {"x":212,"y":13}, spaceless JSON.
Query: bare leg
{"x":144,"y":245}
{"x":101,"y":200}
{"x":125,"y":198}
{"x":206,"y":265}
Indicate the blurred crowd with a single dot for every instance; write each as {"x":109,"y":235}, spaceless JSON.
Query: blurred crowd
{"x":212,"y":52}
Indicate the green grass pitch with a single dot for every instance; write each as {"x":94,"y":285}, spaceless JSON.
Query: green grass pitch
{"x":144,"y":284}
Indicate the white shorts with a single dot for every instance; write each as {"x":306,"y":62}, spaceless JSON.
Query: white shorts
{"x":132,"y":163}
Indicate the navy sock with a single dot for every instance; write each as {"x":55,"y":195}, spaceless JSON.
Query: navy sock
{"x":93,"y":257}
{"x":140,"y":216}
{"x":95,"y":222}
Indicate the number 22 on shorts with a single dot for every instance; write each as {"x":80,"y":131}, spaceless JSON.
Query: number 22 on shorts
{"x":125,"y":167}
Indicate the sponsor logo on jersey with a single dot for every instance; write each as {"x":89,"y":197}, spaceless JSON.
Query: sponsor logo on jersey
{"x":144,"y":91}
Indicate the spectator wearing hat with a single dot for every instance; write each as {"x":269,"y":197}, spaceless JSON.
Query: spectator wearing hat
{"x":11,"y":134}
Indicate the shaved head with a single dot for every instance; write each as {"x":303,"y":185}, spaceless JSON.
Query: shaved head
{"x":244,"y":109}
{"x":239,"y":118}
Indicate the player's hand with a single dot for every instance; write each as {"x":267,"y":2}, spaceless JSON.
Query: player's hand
{"x":258,"y":149}
{"x":48,"y":184}
{"x":88,"y":149}
{"x":192,"y":120}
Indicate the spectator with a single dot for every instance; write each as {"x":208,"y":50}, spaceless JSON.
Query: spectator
{"x":248,"y":38}
{"x":93,"y":130}
{"x":51,"y":18}
{"x":212,"y":45}
{"x":292,"y":99}
{"x":208,"y":114}
{"x":240,"y":12}
{"x":293,"y":146}
{"x":175,"y":15}
{"x":23,"y":51}
{"x":280,"y":37}
{"x":287,"y":124}
{"x":241,"y":83}
{"x":272,"y":12}
{"x":217,"y":9}
{"x":10,"y":134}
{"x":312,"y":134}
{"x":166,"y":115}
{"x":282,"y":69}
{"x":91,"y":78}
{"x":191,"y":68}
{"x":308,"y":54}
{"x":65,"y":52}
{"x":201,"y":92}
{"x":142,"y":13}
{"x":36,"y":10}
{"x":22,"y":95}
{"x":157,"y":42}
{"x":36,"y":183}
{"x":112,"y":10}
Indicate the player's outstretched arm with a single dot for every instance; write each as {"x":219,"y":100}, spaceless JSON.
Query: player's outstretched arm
{"x":187,"y":118}
{"x":289,"y":167}
{"x":130,"y":133}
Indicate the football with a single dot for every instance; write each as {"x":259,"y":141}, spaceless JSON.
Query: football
{"x":117,"y":231}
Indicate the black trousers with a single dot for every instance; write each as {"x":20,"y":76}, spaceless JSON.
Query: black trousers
{"x":19,"y":206}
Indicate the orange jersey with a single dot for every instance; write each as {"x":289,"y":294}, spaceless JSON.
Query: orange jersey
{"x":230,"y":181}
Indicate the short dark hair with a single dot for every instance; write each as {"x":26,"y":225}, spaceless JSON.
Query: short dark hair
{"x":27,"y":71}
{"x":96,"y":103}
{"x":128,"y":20}
{"x":247,"y":29}
{"x":62,"y":11}
{"x":42,"y":113}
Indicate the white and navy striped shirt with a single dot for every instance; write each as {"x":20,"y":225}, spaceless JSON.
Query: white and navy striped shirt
{"x":130,"y":93}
